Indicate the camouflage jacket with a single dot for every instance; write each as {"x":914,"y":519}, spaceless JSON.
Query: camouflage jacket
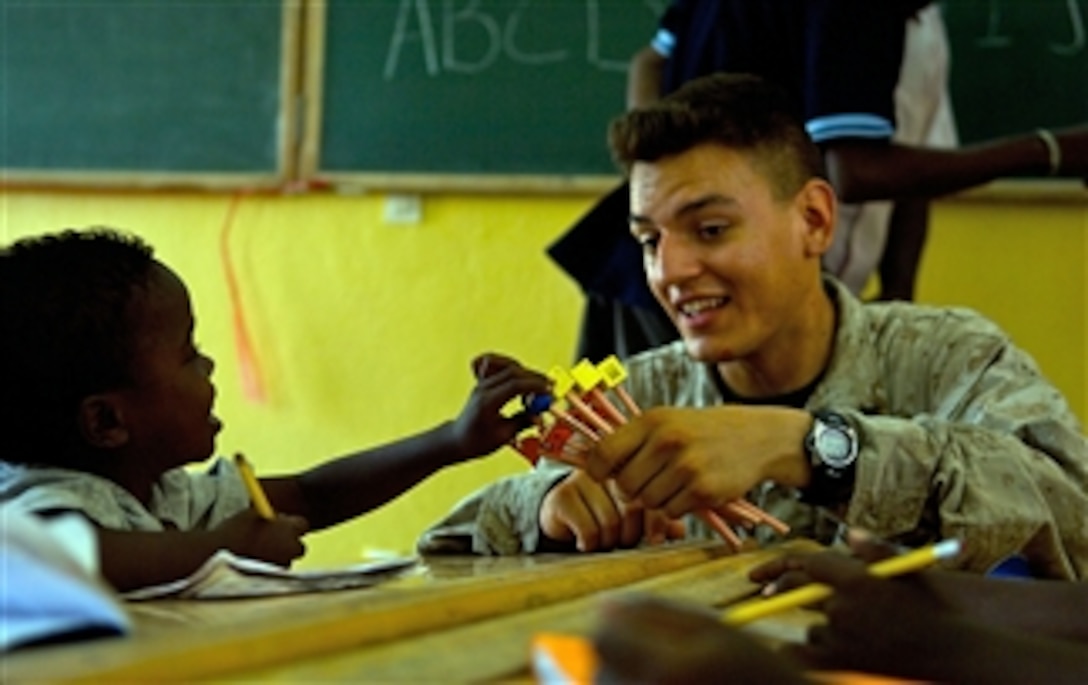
{"x":960,"y":435}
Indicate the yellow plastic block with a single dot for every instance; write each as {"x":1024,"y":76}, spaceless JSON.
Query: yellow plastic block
{"x":586,"y":375}
{"x":562,"y":381}
{"x":612,"y":370}
{"x":513,"y":407}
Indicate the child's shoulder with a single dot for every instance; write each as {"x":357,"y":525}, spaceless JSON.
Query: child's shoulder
{"x":45,"y":490}
{"x":16,"y":478}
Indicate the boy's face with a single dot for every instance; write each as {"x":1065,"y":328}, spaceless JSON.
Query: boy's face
{"x":167,"y":409}
{"x":730,"y":263}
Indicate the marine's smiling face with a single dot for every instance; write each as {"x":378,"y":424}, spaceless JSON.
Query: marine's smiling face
{"x":725,"y":258}
{"x":168,"y":407}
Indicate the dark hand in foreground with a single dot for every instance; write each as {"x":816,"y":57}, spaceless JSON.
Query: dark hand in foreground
{"x":650,"y":640}
{"x":791,"y":570}
{"x":935,"y":625}
{"x":1044,"y":607}
{"x":481,"y":428}
{"x":277,"y":541}
{"x":872,"y":623}
{"x":896,"y":626}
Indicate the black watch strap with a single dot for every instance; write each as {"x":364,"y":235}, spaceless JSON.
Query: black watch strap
{"x":832,"y":449}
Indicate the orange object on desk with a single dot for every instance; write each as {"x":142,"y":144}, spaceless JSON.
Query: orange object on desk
{"x":858,"y":678}
{"x":567,"y":659}
{"x":571,"y":660}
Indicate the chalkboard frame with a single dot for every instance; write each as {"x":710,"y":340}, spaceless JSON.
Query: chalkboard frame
{"x":286,"y":140}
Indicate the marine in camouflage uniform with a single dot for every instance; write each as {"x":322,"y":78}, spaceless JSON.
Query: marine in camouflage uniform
{"x":960,"y":436}
{"x":942,"y":426}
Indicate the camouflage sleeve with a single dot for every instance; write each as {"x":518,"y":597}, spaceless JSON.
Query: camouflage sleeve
{"x":995,"y":458}
{"x":500,"y":518}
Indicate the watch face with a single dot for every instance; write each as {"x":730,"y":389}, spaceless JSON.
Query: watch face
{"x":834,"y":447}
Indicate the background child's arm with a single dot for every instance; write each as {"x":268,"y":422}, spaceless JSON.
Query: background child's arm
{"x":354,"y":484}
{"x":135,"y":559}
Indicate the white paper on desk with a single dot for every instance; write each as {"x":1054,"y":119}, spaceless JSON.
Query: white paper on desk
{"x":49,"y":585}
{"x":226,"y":575}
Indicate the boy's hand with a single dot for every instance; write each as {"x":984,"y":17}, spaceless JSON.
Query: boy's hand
{"x":649,"y":640}
{"x":481,"y":428}
{"x":276,"y":541}
{"x":597,"y":518}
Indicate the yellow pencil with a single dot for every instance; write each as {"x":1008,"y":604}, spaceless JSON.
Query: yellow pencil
{"x":256,"y":493}
{"x":916,"y":560}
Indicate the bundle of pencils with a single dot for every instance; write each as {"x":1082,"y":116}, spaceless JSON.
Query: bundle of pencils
{"x":581,"y":403}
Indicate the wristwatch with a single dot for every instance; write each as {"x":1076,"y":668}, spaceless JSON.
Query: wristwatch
{"x":832,"y":449}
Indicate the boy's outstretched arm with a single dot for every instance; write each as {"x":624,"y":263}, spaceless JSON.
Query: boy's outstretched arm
{"x":136,"y":559}
{"x":346,"y":487}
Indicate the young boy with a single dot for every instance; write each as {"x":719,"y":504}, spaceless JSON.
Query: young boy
{"x":106,"y":397}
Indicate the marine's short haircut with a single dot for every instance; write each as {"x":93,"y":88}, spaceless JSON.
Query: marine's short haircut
{"x":66,"y":334}
{"x":737,"y":111}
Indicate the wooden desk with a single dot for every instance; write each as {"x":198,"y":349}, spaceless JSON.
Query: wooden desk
{"x":458,"y":619}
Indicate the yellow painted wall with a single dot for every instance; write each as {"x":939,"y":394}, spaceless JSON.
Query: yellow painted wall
{"x":364,"y":330}
{"x":1025,"y":267}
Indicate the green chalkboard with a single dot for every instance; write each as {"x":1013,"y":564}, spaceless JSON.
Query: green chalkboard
{"x":1017,"y":64}
{"x":171,"y":86}
{"x":483,"y":87}
{"x":527,"y":87}
{"x":476,"y":87}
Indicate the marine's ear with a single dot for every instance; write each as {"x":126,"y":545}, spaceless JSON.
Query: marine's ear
{"x":101,"y":421}
{"x":818,"y":208}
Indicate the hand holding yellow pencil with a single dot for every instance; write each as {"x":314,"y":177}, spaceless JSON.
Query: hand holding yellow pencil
{"x":253,"y":487}
{"x":909,"y":562}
